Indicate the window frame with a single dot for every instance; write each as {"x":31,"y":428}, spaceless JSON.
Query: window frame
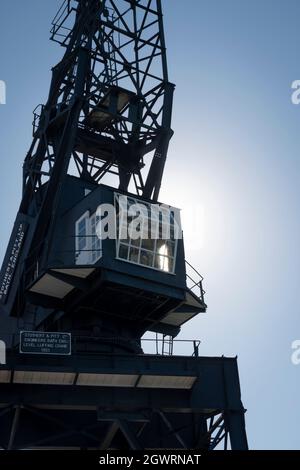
{"x":128,"y":245}
{"x":89,"y":236}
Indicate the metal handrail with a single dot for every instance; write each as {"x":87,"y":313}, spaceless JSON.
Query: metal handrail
{"x":194,"y":269}
{"x":59,"y":20}
{"x":12,"y":341}
{"x":195,"y":283}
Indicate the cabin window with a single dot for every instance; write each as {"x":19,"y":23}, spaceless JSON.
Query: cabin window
{"x":146,"y":235}
{"x":88,"y":244}
{"x":95,"y":240}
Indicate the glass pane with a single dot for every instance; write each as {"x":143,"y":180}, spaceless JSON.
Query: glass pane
{"x":145,"y":232}
{"x":154,"y":232}
{"x":95,"y":243}
{"x":135,"y":243}
{"x":82,"y":243}
{"x":130,"y":201}
{"x":135,"y":231}
{"x":122,"y":202}
{"x":172,"y":232}
{"x":148,"y":244}
{"x":123,"y":251}
{"x":82,"y":226}
{"x":123,"y":233}
{"x":161,"y":247}
{"x":154,"y":214}
{"x":144,"y":210}
{"x":162,"y":263}
{"x":166,"y":231}
{"x":171,"y":265}
{"x":146,"y":258}
{"x":134,"y":255}
{"x":170,"y":248}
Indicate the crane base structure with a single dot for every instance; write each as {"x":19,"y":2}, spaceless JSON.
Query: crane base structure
{"x":109,"y":402}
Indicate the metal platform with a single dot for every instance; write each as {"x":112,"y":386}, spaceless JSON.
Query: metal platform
{"x":105,"y":401}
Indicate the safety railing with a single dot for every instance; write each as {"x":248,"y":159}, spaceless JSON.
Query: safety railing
{"x":62,"y":23}
{"x":194,"y":281}
{"x":87,"y":345}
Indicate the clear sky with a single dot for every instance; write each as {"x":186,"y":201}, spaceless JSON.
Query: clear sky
{"x":233,"y":168}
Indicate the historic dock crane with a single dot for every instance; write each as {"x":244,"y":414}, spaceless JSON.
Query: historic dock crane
{"x":101,"y":141}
